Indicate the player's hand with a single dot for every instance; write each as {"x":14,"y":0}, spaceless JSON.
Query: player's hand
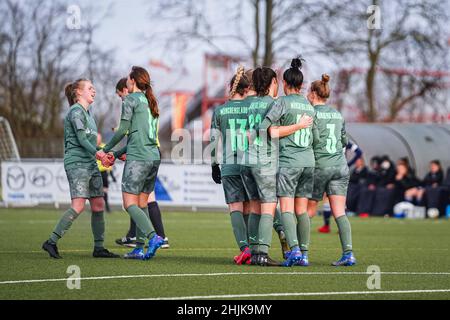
{"x":216,"y":175}
{"x":123,"y":157}
{"x":305,"y":121}
{"x":100,"y":155}
{"x":108,"y":160}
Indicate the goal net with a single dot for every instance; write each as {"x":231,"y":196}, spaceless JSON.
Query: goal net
{"x":8,"y":147}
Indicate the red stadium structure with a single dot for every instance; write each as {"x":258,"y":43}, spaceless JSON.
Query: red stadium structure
{"x":212,"y":64}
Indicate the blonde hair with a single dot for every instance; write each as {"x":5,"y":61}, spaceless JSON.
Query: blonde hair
{"x":321,"y":87}
{"x":236,"y":79}
{"x":239,"y":83}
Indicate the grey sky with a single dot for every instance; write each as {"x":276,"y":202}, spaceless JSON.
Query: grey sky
{"x":123,"y":32}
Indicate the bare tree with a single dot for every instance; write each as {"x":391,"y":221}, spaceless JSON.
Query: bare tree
{"x":259,"y":28}
{"x":39,"y":55}
{"x":410,"y":40}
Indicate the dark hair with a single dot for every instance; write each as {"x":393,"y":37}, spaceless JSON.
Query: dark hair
{"x":294,"y":76}
{"x":239,"y":83}
{"x":437,"y":162}
{"x":142,"y":78}
{"x":404,"y":160}
{"x":321,"y":87}
{"x":122,"y":84}
{"x":249,"y":75}
{"x":70,"y":90}
{"x":262,"y":79}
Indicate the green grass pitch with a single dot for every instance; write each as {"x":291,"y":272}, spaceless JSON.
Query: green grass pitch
{"x":412,"y":255}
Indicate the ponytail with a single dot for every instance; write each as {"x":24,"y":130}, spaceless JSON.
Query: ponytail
{"x":68,"y":91}
{"x":262,"y":79}
{"x":152,"y":102}
{"x":142,"y":78}
{"x":239,"y":83}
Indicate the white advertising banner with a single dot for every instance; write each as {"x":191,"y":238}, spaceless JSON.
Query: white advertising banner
{"x":30,"y":183}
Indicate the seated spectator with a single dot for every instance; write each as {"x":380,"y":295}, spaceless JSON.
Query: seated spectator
{"x":358,"y":179}
{"x":367,"y":191}
{"x":387,"y":173}
{"x":405,"y":181}
{"x":433,"y":179}
{"x":387,"y":190}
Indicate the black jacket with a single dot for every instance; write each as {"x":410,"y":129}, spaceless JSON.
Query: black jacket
{"x":432,"y":178}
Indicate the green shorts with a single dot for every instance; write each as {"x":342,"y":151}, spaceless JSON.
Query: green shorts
{"x":332,"y":180}
{"x":85,"y":182}
{"x":234,"y":190}
{"x":260,"y":183}
{"x":295,"y":182}
{"x":249,"y":184}
{"x":139,"y":176}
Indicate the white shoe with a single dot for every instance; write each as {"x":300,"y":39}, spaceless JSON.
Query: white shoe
{"x":165,"y":244}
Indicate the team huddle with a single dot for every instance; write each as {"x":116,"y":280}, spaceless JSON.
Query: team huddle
{"x":287,"y":150}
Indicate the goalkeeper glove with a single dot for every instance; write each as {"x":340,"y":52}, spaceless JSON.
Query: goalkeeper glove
{"x":216,"y":175}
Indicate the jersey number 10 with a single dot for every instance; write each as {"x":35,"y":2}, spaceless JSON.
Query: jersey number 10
{"x":302,"y":137}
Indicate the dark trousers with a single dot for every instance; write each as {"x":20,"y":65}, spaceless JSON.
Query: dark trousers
{"x":365,"y":200}
{"x":436,"y":197}
{"x":353,"y":193}
{"x":384,"y":201}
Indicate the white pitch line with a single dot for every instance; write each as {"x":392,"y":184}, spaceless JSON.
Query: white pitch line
{"x":174,"y":275}
{"x":297,"y":294}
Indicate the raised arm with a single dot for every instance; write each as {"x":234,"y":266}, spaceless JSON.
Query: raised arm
{"x":125,"y":121}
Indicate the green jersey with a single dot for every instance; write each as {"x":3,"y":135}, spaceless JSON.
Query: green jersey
{"x":74,"y":153}
{"x":295,"y":150}
{"x":142,"y":143}
{"x":230,"y":122}
{"x":260,"y":149}
{"x":329,"y":128}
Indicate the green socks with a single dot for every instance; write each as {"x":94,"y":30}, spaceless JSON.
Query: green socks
{"x":345,"y":233}
{"x":253,"y":231}
{"x":277,"y":221}
{"x":290,"y":229}
{"x":265,"y":233}
{"x":246,"y":217}
{"x":98,"y":228}
{"x":239,"y":229}
{"x":303,"y":231}
{"x":140,"y":236}
{"x":63,"y":225}
{"x":142,"y":221}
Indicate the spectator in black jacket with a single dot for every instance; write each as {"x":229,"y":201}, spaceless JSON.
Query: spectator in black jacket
{"x":405,"y":182}
{"x":358,"y":179}
{"x":433,"y":179}
{"x":387,"y":173}
{"x":367,"y":192}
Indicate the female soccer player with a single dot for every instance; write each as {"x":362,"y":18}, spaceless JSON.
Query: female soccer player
{"x":139,"y":118}
{"x":85,"y":180}
{"x":155,"y":214}
{"x":259,"y":172}
{"x":228,"y":124}
{"x":254,"y":205}
{"x":331,"y":174}
{"x":290,"y":120}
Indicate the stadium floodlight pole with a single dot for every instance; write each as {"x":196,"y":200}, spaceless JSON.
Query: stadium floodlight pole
{"x":9,"y":134}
